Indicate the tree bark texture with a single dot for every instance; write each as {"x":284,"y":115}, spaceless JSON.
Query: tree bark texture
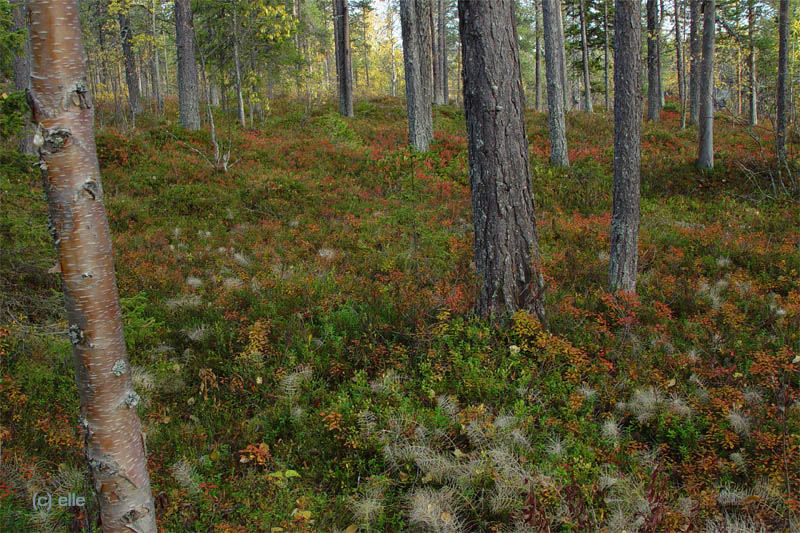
{"x":61,"y":104}
{"x":437,"y":63}
{"x":694,"y":61}
{"x":156,"y":68}
{"x":22,"y":75}
{"x":605,"y":55}
{"x":679,"y":54}
{"x":705,"y":150}
{"x":344,"y":70}
{"x":783,"y":76}
{"x":536,"y":28}
{"x":587,"y":86}
{"x":553,"y":59}
{"x":414,"y":17}
{"x":751,"y":60}
{"x":443,"y":50}
{"x":131,"y":76}
{"x":653,"y":96}
{"x":506,"y":244}
{"x":188,"y":98}
{"x":237,"y":68}
{"x":623,"y":257}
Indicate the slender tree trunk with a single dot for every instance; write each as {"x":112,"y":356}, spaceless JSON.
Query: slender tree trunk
{"x":751,"y":22}
{"x":658,"y":55}
{"x":22,"y":76}
{"x":784,"y":17}
{"x":562,"y":53}
{"x":537,"y":25}
{"x":167,"y":91}
{"x":623,"y":257}
{"x":114,"y":442}
{"x":156,"y":68}
{"x":587,"y":86}
{"x":437,"y":64}
{"x":131,"y":78}
{"x":188,"y":106}
{"x":443,"y":50}
{"x":694,"y":61}
{"x":344,"y":71}
{"x":366,"y":51}
{"x":605,"y":54}
{"x":653,"y":97}
{"x":237,"y":68}
{"x":705,"y":151}
{"x":414,"y":17}
{"x":506,"y":242}
{"x":738,"y":80}
{"x":679,"y":52}
{"x":553,"y":54}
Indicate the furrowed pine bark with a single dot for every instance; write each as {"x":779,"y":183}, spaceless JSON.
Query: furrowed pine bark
{"x":751,"y":61}
{"x":506,"y":244}
{"x":188,"y":98}
{"x":783,"y":76}
{"x":62,"y":112}
{"x":344,"y":70}
{"x":653,"y":96}
{"x":623,"y":257}
{"x":587,"y":86}
{"x":705,"y":149}
{"x":131,"y":75}
{"x":551,"y":17}
{"x":694,"y":61}
{"x":437,"y":64}
{"x":414,"y":16}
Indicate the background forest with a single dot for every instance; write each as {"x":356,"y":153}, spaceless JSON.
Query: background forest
{"x":299,"y":289}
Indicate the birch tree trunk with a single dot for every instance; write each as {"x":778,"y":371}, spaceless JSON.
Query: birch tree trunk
{"x":188,"y":99}
{"x":414,"y":17}
{"x":61,"y":105}
{"x":783,"y":76}
{"x":344,"y":71}
{"x":653,"y":96}
{"x":694,"y":61}
{"x":553,"y":54}
{"x":237,"y":67}
{"x":623,"y":257}
{"x":751,"y":60}
{"x":506,"y":244}
{"x":587,"y":86}
{"x":705,"y":150}
{"x":131,"y":78}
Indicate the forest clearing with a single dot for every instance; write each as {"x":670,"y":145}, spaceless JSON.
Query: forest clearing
{"x":311,"y":349}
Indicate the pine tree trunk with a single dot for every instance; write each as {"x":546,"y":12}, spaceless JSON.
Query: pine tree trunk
{"x":506,"y":243}
{"x":605,"y":55}
{"x":536,"y":28}
{"x":437,"y":64}
{"x":553,"y":59}
{"x":623,"y":257}
{"x":22,"y":76}
{"x":131,"y":78}
{"x":751,"y":60}
{"x":653,"y":97}
{"x":705,"y":151}
{"x":188,"y":104}
{"x":61,"y":104}
{"x":679,"y":52}
{"x":156,"y":68}
{"x":587,"y":86}
{"x":414,"y":17}
{"x":237,"y":68}
{"x":443,"y":51}
{"x":783,"y":77}
{"x":344,"y":71}
{"x":694,"y":61}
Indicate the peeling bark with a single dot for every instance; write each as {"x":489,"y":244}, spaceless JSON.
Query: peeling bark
{"x":62,"y":112}
{"x":506,"y":244}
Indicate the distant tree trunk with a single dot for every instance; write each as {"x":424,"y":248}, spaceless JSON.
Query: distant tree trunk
{"x":605,"y":55}
{"x":555,"y":78}
{"x":705,"y":151}
{"x":237,"y":67}
{"x":562,"y":55}
{"x":751,"y":60}
{"x":694,"y":61}
{"x":536,"y":29}
{"x":653,"y":96}
{"x":443,"y":50}
{"x":131,"y":78}
{"x":506,"y":243}
{"x":658,"y":56}
{"x":112,"y":432}
{"x":783,"y":75}
{"x":679,"y":52}
{"x":22,"y":76}
{"x":437,"y":64}
{"x":344,"y":71}
{"x":156,"y":69}
{"x":366,"y":51}
{"x":188,"y":105}
{"x":414,"y":17}
{"x":587,"y":86}
{"x":623,"y":258}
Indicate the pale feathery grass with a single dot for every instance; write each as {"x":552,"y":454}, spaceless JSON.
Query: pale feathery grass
{"x":556,"y":447}
{"x":679,"y":406}
{"x":753,"y":397}
{"x":184,"y":474}
{"x":290,"y":384}
{"x":628,"y":505}
{"x":731,"y":523}
{"x":232,"y":283}
{"x":184,"y":301}
{"x":610,"y":431}
{"x":197,"y":333}
{"x":739,"y":422}
{"x":448,"y":407}
{"x":733,"y":496}
{"x":435,"y":510}
{"x":645,"y":403}
{"x":367,"y":508}
{"x":367,"y":422}
{"x":194,"y":282}
{"x":241,"y":259}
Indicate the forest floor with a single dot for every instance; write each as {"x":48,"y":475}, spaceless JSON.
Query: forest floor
{"x":301,"y":336}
